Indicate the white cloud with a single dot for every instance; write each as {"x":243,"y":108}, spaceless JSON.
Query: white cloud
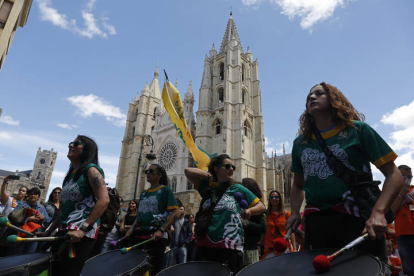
{"x":9,"y":120}
{"x":5,"y":136}
{"x":92,"y":25}
{"x":66,"y":126}
{"x":309,"y":11}
{"x":92,"y":104}
{"x":402,"y":119}
{"x":402,"y":137}
{"x":271,"y":147}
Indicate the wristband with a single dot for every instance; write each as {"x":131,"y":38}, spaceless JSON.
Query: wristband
{"x":160,"y":229}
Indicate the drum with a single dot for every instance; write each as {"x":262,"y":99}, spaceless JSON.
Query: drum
{"x":196,"y":268}
{"x":36,"y":264}
{"x":301,"y":263}
{"x":135,"y":262}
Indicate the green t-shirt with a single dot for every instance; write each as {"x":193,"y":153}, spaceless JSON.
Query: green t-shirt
{"x":154,"y":206}
{"x":355,"y":147}
{"x":226,"y":229}
{"x":77,"y":202}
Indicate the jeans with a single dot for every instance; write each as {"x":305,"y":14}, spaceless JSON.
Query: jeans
{"x":178,"y":255}
{"x":406,"y":250}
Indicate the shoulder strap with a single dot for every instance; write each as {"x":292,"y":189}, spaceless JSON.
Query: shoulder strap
{"x":339,"y":169}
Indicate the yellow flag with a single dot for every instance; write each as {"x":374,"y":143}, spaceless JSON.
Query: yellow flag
{"x":173,"y":104}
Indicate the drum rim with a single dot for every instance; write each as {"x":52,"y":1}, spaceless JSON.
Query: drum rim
{"x":48,"y":257}
{"x":192,"y":262}
{"x":380,"y":264}
{"x":118,"y":250}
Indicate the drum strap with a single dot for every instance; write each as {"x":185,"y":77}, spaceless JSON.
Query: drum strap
{"x":70,"y":247}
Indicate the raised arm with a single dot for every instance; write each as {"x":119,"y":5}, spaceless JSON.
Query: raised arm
{"x":4,"y":195}
{"x":195,"y":175}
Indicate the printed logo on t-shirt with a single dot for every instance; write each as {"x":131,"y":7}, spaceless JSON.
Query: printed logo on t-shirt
{"x":148,"y":205}
{"x":343,"y":134}
{"x":70,"y":192}
{"x":314,"y":162}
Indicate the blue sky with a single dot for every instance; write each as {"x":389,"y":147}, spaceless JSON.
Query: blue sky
{"x":76,"y":65}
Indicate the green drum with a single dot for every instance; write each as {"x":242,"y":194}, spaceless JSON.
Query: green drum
{"x":36,"y":264}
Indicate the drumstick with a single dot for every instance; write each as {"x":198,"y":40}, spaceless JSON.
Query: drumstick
{"x":322,"y":263}
{"x":13,"y":239}
{"x":125,"y":250}
{"x":4,"y":222}
{"x":281,"y":244}
{"x":114,"y":243}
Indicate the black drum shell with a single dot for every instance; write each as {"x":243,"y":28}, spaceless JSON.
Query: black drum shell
{"x":301,"y":263}
{"x":25,"y":265}
{"x":199,"y":268}
{"x":134,"y":263}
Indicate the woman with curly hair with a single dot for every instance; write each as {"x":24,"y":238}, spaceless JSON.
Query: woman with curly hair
{"x":332,"y":215}
{"x":219,"y":229}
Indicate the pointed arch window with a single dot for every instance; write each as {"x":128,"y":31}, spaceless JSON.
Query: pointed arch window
{"x":221,"y":71}
{"x":246,"y":129}
{"x":243,"y":95}
{"x":220,"y":95}
{"x":155,"y":112}
{"x":243,"y":71}
{"x":174,"y":184}
{"x":133,"y":132}
{"x":136,"y":113}
{"x":217,"y":126}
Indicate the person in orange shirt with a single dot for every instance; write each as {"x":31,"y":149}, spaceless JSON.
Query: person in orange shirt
{"x":276,"y":224}
{"x":393,"y":261}
{"x":403,"y":208}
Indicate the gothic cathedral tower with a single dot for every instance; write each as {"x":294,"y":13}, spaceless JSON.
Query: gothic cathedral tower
{"x":42,"y":170}
{"x":229,"y":116}
{"x":140,"y":122}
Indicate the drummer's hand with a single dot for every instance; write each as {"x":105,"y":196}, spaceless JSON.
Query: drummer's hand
{"x":246,"y":214}
{"x":293,"y":221}
{"x":40,"y":217}
{"x":157,"y":235}
{"x":129,"y":232}
{"x":76,"y":236}
{"x":376,"y":225}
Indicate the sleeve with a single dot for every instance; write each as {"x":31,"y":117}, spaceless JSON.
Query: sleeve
{"x":258,"y":227}
{"x":251,"y":198}
{"x":374,"y":147}
{"x":296,"y":164}
{"x":45,"y":214}
{"x":171,"y":202}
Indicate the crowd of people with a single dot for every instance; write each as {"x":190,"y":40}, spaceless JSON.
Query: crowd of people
{"x":331,"y":160}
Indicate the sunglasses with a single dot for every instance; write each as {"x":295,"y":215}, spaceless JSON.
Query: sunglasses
{"x":76,"y":144}
{"x":274,"y":197}
{"x":227,"y":166}
{"x":407,"y":176}
{"x":151,"y":171}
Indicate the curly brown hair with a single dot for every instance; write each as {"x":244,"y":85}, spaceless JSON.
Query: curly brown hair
{"x":343,"y":112}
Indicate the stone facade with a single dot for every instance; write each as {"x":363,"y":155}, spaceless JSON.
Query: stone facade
{"x":39,"y":177}
{"x":13,"y":13}
{"x":229,"y":120}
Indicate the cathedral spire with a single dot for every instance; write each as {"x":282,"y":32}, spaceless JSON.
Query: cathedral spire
{"x":144,"y":91}
{"x":231,"y":31}
{"x":154,"y":87}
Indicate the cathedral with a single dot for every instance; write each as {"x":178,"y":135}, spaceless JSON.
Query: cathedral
{"x":228,"y":120}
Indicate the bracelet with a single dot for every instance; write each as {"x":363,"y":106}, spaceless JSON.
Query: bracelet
{"x":402,"y":196}
{"x":160,"y":229}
